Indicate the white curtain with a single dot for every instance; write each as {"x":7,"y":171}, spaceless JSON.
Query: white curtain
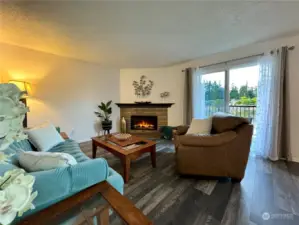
{"x":267,"y":140}
{"x":199,"y":108}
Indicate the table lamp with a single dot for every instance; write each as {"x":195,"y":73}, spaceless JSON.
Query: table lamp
{"x":25,"y":87}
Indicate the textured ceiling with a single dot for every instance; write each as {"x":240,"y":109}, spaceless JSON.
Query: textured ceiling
{"x":143,"y":33}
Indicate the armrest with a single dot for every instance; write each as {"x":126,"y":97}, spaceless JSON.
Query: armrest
{"x":207,"y":141}
{"x":182,"y":130}
{"x":116,"y":180}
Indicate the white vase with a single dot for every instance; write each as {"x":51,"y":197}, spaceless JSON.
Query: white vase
{"x":98,"y":126}
{"x":123,"y":125}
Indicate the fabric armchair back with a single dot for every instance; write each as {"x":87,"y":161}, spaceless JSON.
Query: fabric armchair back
{"x":223,"y":153}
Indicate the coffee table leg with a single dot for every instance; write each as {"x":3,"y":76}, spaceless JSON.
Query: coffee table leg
{"x":94,"y":150}
{"x":153,"y":156}
{"x":126,"y":164}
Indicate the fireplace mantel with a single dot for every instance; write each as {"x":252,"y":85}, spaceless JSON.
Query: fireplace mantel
{"x":144,"y":105}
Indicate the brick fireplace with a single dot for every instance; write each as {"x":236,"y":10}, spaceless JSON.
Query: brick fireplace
{"x":144,"y":119}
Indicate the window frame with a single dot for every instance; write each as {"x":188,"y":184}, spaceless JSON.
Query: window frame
{"x":226,"y":68}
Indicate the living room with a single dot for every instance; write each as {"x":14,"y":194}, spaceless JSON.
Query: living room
{"x":74,"y":55}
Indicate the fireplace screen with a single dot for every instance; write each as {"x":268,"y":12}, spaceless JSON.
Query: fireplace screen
{"x":144,"y":123}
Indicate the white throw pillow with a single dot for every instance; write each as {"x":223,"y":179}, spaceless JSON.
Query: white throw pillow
{"x":37,"y":161}
{"x":200,"y":126}
{"x":44,"y":137}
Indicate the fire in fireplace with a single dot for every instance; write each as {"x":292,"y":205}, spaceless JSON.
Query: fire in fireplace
{"x":144,"y":122}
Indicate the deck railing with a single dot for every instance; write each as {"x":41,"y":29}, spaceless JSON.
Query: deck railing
{"x":247,"y":111}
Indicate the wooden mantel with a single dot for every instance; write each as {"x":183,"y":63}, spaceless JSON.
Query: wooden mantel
{"x":144,"y":105}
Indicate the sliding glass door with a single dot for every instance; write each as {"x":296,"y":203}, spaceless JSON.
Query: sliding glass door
{"x":243,"y":91}
{"x":232,"y":90}
{"x":214,"y":84}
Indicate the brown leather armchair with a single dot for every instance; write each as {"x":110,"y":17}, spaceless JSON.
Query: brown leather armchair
{"x":224,"y":153}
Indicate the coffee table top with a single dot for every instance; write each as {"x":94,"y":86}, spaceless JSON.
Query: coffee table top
{"x":106,"y":142}
{"x":132,"y":140}
{"x":82,"y":207}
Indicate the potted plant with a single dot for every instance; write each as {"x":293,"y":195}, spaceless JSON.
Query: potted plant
{"x":105,"y":114}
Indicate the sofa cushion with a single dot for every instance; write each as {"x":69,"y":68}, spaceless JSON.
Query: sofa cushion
{"x":44,"y":137}
{"x":15,"y":148}
{"x":58,"y":184}
{"x":224,"y":122}
{"x":71,"y":147}
{"x":38,"y":161}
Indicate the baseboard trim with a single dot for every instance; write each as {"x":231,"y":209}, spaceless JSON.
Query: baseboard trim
{"x":295,"y":159}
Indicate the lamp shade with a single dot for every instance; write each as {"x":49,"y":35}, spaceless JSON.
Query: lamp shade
{"x":23,"y":86}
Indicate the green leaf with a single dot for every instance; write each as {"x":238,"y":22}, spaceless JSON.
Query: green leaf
{"x":99,"y":114}
{"x":108,"y":103}
{"x":103,"y":106}
{"x":109,"y":110}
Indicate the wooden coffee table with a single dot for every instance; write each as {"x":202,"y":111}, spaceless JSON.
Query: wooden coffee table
{"x":125,"y":155}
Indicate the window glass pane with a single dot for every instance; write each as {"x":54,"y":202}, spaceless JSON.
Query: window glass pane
{"x":214,"y":92}
{"x":243,"y":91}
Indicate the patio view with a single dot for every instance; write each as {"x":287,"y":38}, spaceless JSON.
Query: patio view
{"x":234,"y":92}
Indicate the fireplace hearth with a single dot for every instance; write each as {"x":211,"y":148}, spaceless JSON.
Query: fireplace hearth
{"x":144,"y":123}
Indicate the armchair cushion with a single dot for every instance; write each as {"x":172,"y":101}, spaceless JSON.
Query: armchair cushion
{"x":224,"y":122}
{"x":207,"y":140}
{"x":200,"y":126}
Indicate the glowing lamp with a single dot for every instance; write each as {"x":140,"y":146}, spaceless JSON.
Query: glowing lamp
{"x":25,"y":87}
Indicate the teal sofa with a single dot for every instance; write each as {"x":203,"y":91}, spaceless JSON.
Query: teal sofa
{"x":57,"y":184}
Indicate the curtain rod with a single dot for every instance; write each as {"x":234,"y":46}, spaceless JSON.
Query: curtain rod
{"x":231,"y":60}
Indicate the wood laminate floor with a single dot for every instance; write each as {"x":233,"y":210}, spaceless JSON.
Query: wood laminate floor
{"x":268,"y":195}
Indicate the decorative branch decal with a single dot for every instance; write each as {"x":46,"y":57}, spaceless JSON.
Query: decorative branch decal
{"x":143,"y":88}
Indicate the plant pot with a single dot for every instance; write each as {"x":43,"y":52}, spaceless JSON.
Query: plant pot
{"x":107,"y":124}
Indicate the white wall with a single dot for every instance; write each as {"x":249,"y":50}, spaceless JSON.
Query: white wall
{"x":166,"y":78}
{"x":65,"y":91}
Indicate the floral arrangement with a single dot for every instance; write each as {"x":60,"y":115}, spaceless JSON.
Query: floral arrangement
{"x":143,"y":89}
{"x":16,"y":194}
{"x":12,"y":113}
